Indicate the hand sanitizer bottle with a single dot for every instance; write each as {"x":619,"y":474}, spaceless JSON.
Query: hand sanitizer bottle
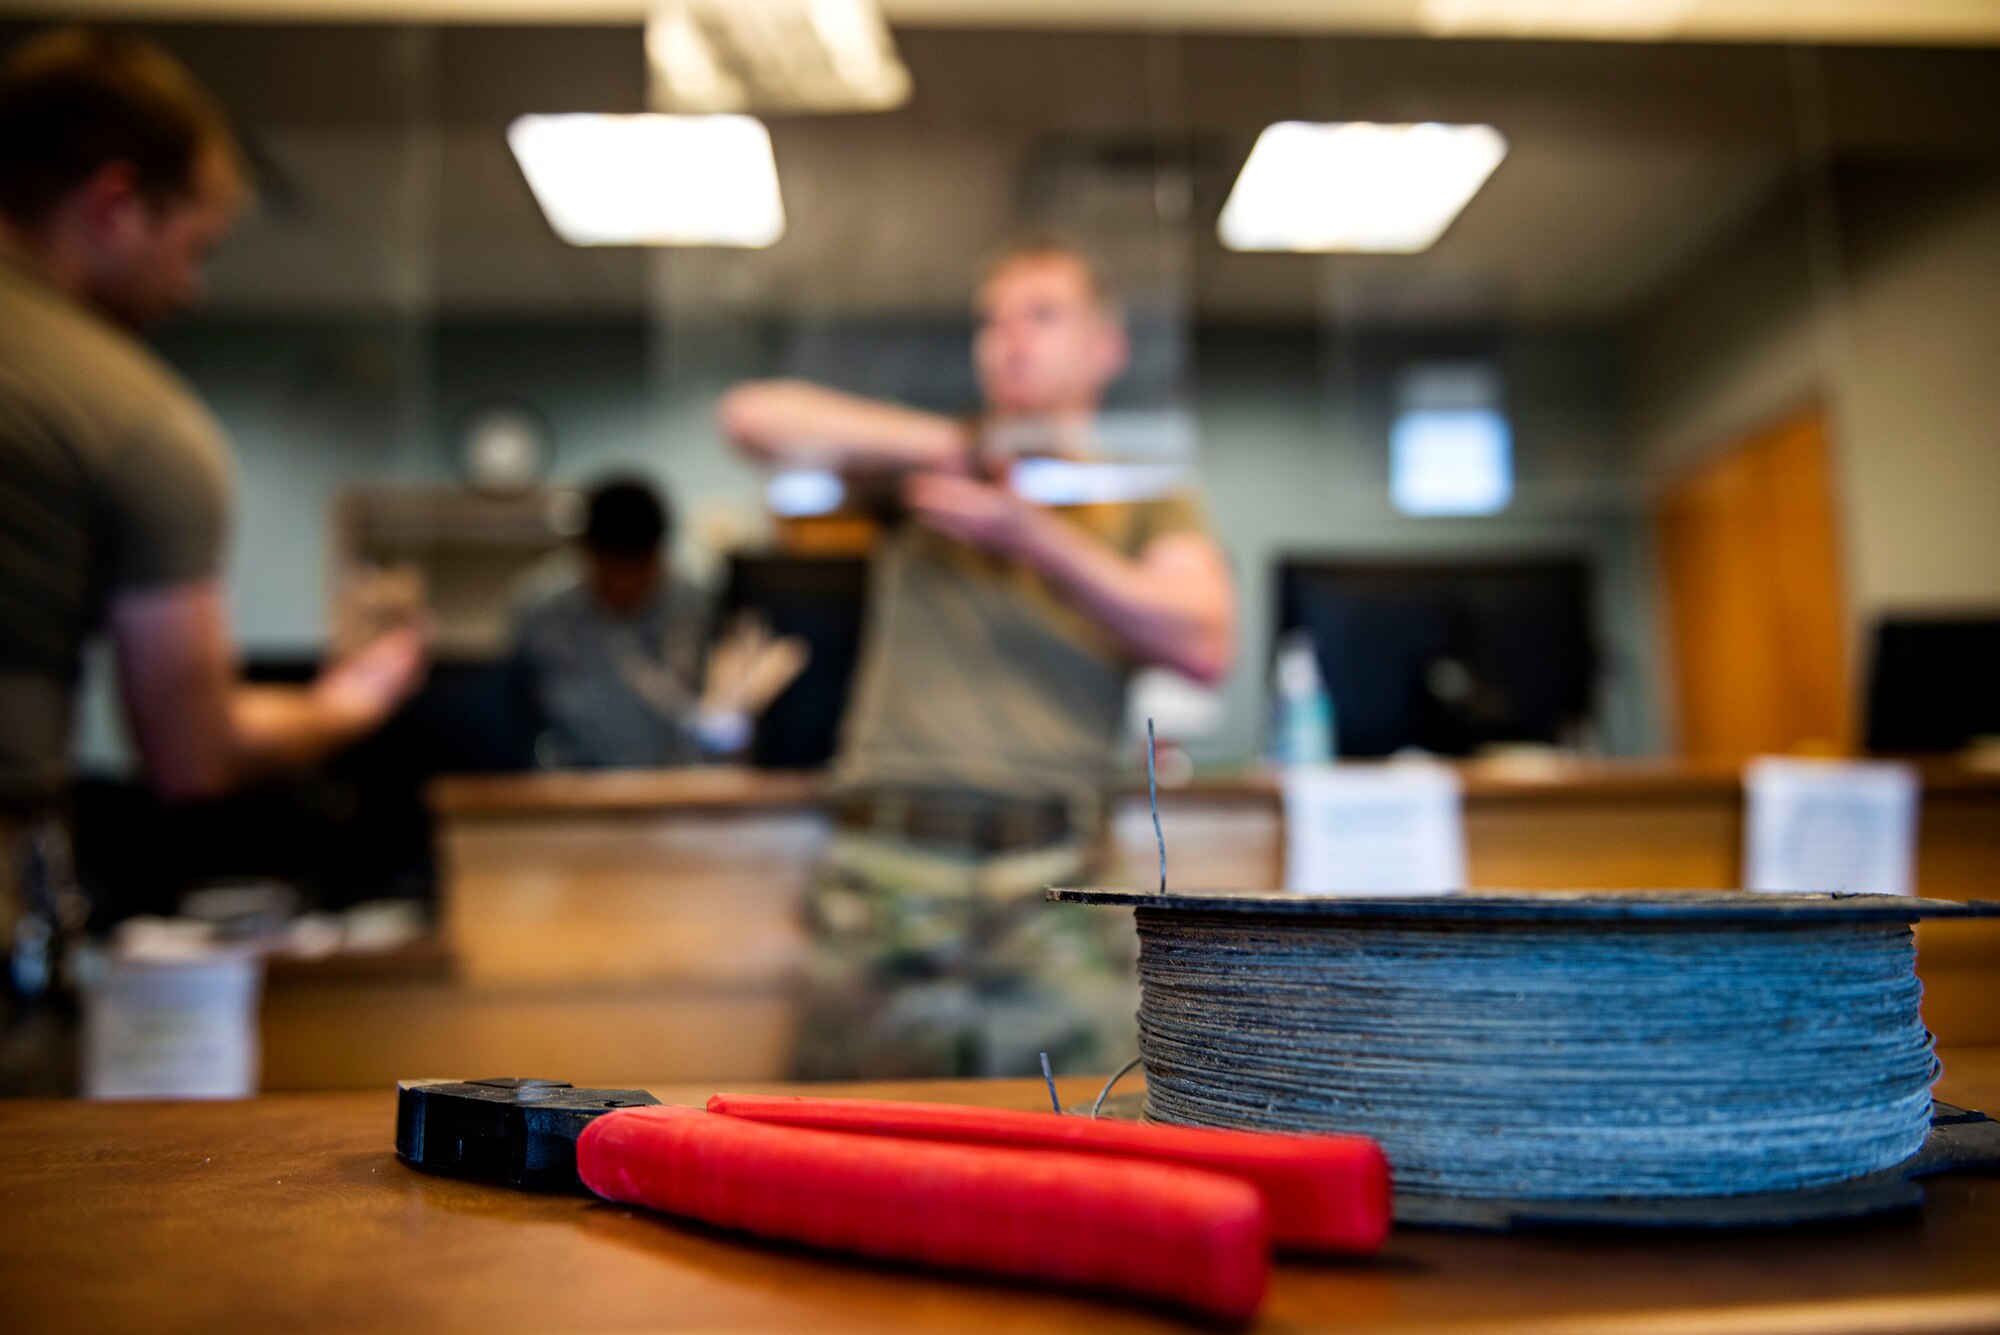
{"x":1305,"y":709}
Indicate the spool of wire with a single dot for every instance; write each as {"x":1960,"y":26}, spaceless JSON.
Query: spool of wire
{"x":1543,"y":1046}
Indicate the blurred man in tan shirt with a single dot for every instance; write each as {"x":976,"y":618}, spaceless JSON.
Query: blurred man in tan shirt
{"x":982,"y":736}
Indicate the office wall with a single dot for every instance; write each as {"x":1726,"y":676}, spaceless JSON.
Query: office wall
{"x":1296,"y":461}
{"x":1920,"y":412}
{"x":315,"y":407}
{"x":1881,"y":297}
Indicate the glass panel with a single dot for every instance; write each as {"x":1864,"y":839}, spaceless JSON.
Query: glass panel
{"x":1686,"y":250}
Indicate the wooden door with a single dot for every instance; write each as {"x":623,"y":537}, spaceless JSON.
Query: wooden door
{"x":1756,"y":612}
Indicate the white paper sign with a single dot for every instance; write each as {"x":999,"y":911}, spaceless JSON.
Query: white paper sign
{"x":173,"y":1029}
{"x":1830,"y":825}
{"x":1381,"y":829}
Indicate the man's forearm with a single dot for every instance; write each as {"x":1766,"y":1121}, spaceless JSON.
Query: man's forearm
{"x":275,"y":729}
{"x":258,"y":732}
{"x":795,"y":422}
{"x":1175,"y":608}
{"x":264,"y":731}
{"x":200,"y":732}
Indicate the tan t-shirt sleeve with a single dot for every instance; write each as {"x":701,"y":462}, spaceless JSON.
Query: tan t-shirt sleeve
{"x":1182,"y":512}
{"x":166,"y":496}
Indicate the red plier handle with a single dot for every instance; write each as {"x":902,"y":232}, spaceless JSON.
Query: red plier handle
{"x":1173,"y":1214}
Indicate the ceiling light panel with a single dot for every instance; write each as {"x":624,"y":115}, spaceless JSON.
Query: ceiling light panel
{"x":652,"y":180}
{"x":1608,"y":20}
{"x":1355,"y":186}
{"x":773,"y":55}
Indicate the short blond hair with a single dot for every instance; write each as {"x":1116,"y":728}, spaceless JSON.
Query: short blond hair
{"x":1051,"y":245}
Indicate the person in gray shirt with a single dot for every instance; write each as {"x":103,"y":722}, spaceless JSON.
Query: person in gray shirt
{"x":616,"y":660}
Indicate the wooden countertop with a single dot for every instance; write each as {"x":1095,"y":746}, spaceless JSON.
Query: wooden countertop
{"x":695,"y":788}
{"x":725,"y":788}
{"x":291,"y":1214}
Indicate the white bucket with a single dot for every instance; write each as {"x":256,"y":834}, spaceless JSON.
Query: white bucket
{"x":172,"y":1028}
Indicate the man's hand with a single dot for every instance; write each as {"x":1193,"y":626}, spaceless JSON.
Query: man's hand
{"x":366,"y":686}
{"x":201,"y":732}
{"x":750,"y":667}
{"x":985,"y":515}
{"x":1173,"y":605}
{"x":374,"y":600}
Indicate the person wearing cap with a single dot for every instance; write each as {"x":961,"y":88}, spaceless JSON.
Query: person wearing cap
{"x":615,"y":658}
{"x":982,"y":739}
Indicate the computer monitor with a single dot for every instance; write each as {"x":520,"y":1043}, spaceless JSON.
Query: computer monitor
{"x":1445,"y":655}
{"x":821,"y":599}
{"x":1933,"y":683}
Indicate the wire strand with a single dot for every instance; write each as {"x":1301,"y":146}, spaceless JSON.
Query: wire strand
{"x":1153,"y":795}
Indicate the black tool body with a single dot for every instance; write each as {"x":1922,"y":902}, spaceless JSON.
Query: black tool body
{"x":522,"y":1132}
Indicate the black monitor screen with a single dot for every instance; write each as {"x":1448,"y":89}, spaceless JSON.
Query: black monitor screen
{"x":1445,"y":656}
{"x":820,"y":599}
{"x":1931,"y":683}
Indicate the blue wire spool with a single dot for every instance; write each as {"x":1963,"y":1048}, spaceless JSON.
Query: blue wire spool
{"x":1567,"y":1048}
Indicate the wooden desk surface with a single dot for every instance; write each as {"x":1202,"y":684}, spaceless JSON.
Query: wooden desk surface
{"x":290,"y":1213}
{"x":714,"y":789}
{"x":704,"y":788}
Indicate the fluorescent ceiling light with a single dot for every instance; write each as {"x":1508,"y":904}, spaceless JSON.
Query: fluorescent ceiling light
{"x":780,"y":55}
{"x":686,"y":70}
{"x":1356,"y":186}
{"x":1627,"y":19}
{"x":652,"y":180}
